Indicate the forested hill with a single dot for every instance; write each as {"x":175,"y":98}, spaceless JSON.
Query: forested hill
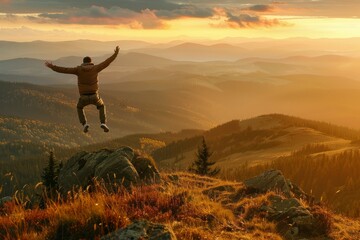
{"x":263,"y":132}
{"x":37,"y":119}
{"x":24,"y":138}
{"x":37,"y":102}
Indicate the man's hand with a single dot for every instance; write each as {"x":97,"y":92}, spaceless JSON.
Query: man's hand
{"x":49,"y":64}
{"x":117,"y":49}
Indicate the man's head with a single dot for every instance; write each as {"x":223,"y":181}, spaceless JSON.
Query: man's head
{"x":87,"y":60}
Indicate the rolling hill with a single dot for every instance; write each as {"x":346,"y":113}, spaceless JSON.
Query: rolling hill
{"x":257,"y":141}
{"x":321,"y":158}
{"x":128,"y":113}
{"x":200,"y":52}
{"x":32,"y":70}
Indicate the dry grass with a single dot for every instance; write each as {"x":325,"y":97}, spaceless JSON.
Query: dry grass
{"x":344,"y":228}
{"x":179,"y":202}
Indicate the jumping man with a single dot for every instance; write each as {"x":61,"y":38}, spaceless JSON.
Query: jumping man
{"x":88,"y":84}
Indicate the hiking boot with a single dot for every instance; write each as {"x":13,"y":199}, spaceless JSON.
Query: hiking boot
{"x":106,"y":128}
{"x":86,"y":127}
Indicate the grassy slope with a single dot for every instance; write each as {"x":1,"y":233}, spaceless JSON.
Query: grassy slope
{"x":257,"y":140}
{"x":182,"y":202}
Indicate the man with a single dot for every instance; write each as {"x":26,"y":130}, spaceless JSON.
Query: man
{"x":88,"y":84}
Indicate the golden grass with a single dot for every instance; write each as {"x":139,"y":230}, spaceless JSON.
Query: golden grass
{"x":179,"y":202}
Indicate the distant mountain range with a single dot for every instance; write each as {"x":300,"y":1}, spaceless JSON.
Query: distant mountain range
{"x":53,"y":50}
{"x":134,"y":66}
{"x":32,"y":70}
{"x":225,"y":49}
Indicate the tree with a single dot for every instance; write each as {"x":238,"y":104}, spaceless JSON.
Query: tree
{"x":50,"y":176}
{"x":202,"y":164}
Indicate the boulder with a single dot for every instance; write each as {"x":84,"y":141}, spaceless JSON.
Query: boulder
{"x":272,"y":180}
{"x":141,"y":230}
{"x":147,"y":169}
{"x":293,"y":220}
{"x":114,"y":167}
{"x":117,"y":168}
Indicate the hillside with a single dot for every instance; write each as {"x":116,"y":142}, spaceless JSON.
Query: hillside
{"x":260,"y":77}
{"x":145,"y":142}
{"x":319,"y":157}
{"x":128,"y":112}
{"x":257,"y":140}
{"x":21,"y":138}
{"x":184,"y":206}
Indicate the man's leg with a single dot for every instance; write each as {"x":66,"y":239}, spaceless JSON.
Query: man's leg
{"x":81,"y":114}
{"x":102,"y":113}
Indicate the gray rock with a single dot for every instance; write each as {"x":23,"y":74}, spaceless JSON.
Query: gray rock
{"x":79,"y":170}
{"x":282,"y":205}
{"x":117,"y":168}
{"x":142,"y":230}
{"x":293,"y":220}
{"x":112,"y":167}
{"x":147,"y":169}
{"x":272,"y":180}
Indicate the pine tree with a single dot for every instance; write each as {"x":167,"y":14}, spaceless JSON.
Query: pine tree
{"x":202,"y":164}
{"x":50,"y":175}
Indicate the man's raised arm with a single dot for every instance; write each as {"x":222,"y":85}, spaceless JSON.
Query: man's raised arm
{"x":104,"y":64}
{"x":61,"y":69}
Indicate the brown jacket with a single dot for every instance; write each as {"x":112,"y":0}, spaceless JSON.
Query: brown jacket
{"x":87,"y":74}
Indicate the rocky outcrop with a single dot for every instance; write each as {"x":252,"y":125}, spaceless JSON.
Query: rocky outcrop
{"x":114,"y":167}
{"x":274,"y":180}
{"x":141,"y":230}
{"x":294,"y":220}
{"x":146,"y":169}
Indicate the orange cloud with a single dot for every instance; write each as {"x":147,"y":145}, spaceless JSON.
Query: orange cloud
{"x":146,"y":19}
{"x":261,"y":8}
{"x":240,"y":19}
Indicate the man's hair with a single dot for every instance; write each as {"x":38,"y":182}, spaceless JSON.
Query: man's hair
{"x":87,"y":60}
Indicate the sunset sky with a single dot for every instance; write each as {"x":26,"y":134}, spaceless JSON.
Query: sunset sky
{"x":164,"y":20}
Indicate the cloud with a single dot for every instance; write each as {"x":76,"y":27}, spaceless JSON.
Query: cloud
{"x":144,"y":14}
{"x":234,"y":18}
{"x":251,"y":21}
{"x":261,"y":8}
{"x":97,"y":15}
{"x":186,"y":11}
{"x":328,"y":8}
{"x":162,"y":9}
{"x":36,"y":6}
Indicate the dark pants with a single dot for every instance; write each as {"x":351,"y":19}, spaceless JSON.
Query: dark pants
{"x":93,"y":99}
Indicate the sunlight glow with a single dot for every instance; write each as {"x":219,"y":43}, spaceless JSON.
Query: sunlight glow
{"x":21,"y":27}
